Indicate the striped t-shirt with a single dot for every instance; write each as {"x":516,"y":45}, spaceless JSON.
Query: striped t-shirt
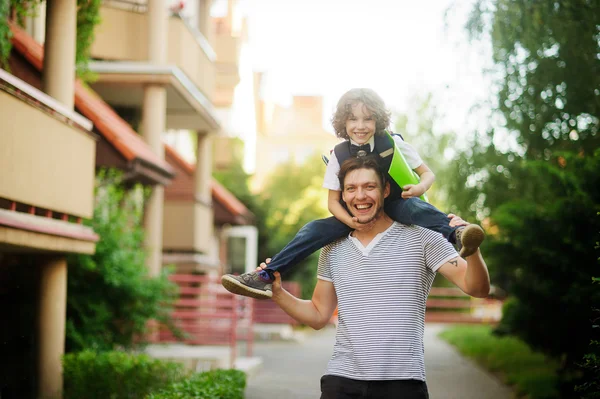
{"x":381,"y":291}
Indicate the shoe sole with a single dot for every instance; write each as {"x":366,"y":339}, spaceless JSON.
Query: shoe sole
{"x":471,"y":239}
{"x":235,"y":287}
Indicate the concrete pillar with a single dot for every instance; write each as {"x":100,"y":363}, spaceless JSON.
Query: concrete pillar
{"x":59,"y":50}
{"x":51,"y":332}
{"x":158,"y":31}
{"x":154,"y":115}
{"x":204,"y":20}
{"x":203,"y":174}
{"x":59,"y":82}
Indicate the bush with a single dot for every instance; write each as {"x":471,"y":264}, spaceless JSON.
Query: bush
{"x":111,"y":296}
{"x":217,"y":384}
{"x":116,"y":375}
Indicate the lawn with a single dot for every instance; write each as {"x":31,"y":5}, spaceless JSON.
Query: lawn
{"x":531,"y":374}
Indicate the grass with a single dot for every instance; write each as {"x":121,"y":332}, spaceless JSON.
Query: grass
{"x":531,"y":374}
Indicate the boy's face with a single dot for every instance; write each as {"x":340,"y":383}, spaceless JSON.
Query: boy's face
{"x":364,"y":195}
{"x":361,"y":124}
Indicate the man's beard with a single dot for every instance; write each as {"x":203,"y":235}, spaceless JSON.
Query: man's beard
{"x":375,"y":216}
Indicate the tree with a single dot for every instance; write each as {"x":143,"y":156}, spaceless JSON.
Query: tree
{"x":539,"y":198}
{"x":111,"y":296}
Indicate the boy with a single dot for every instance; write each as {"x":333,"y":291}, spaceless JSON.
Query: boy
{"x":361,"y":119}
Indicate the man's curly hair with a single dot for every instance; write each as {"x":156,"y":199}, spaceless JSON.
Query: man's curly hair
{"x":371,"y":100}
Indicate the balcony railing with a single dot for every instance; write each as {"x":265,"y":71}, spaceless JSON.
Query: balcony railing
{"x":122,"y":36}
{"x":187,"y":226}
{"x":47,"y":154}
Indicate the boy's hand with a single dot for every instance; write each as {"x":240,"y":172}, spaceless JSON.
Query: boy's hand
{"x":413,"y":190}
{"x":362,"y":226}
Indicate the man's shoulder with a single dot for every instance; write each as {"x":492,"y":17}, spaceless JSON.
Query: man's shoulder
{"x":340,"y":242}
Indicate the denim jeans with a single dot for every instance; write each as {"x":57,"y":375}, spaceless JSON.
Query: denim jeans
{"x":318,"y":233}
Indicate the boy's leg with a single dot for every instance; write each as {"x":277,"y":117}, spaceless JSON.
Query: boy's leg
{"x":311,"y":237}
{"x":414,"y":211}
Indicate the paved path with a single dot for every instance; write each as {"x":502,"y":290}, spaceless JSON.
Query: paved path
{"x":291,"y":370}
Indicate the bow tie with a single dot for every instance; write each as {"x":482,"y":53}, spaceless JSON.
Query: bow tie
{"x":359,"y":150}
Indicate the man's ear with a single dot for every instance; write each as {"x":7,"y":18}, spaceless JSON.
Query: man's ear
{"x":386,"y":190}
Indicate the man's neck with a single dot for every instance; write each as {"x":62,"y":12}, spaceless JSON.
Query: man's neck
{"x":381,"y":224}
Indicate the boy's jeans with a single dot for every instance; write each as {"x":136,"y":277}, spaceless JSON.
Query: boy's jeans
{"x":318,"y":233}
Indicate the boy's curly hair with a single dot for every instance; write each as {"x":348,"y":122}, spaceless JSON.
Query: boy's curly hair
{"x":371,"y":100}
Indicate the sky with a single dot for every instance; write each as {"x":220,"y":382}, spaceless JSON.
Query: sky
{"x":400,"y":48}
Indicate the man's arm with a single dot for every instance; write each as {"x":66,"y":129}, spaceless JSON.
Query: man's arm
{"x":470,"y":275}
{"x":315,"y":312}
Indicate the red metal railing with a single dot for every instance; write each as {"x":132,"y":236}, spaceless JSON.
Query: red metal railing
{"x":207,"y":314}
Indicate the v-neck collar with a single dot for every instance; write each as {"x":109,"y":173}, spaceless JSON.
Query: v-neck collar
{"x":367,"y":250}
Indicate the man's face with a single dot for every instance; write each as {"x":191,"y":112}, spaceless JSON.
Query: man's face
{"x":361,"y":124}
{"x":363,"y":194}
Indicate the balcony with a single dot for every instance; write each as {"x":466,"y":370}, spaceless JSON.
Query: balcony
{"x":47,"y":154}
{"x":187,"y":227}
{"x":227,"y":47}
{"x":122,"y":36}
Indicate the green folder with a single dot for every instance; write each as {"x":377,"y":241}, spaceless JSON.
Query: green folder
{"x":400,"y":171}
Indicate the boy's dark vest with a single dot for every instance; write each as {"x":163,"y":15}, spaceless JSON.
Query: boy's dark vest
{"x":384,"y":148}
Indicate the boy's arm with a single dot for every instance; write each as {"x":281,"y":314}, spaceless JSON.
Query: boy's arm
{"x":315,"y":312}
{"x":426,"y":178}
{"x":341,"y":214}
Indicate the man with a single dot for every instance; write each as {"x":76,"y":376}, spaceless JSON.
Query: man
{"x":379,"y":279}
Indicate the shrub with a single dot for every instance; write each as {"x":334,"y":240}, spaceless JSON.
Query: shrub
{"x":111,"y":296}
{"x":217,"y":384}
{"x":116,"y":375}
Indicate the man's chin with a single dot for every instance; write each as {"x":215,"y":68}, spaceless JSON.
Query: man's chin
{"x":366,"y":219}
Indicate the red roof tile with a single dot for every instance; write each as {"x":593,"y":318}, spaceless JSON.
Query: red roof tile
{"x":106,"y":121}
{"x":219,"y":192}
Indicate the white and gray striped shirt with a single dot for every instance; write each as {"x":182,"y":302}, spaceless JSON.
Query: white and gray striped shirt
{"x":382,"y":290}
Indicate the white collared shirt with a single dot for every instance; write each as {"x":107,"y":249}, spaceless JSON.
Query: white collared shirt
{"x":331,"y":180}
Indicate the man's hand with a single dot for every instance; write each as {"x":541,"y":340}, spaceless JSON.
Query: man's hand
{"x":456,"y":220}
{"x":413,"y":190}
{"x":277,"y":283}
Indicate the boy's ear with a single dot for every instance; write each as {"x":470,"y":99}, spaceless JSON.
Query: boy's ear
{"x":386,"y":190}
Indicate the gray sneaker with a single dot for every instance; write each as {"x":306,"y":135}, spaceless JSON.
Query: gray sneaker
{"x":253,"y":284}
{"x":468,"y":239}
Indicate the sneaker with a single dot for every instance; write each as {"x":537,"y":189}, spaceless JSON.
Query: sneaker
{"x":253,"y":284}
{"x":468,"y":239}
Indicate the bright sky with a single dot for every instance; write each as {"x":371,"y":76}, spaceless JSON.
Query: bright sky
{"x":400,"y":48}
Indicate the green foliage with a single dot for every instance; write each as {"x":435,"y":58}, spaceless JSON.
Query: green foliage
{"x":546,"y":53}
{"x":116,"y":375}
{"x":120,"y":375}
{"x":111,"y":296}
{"x":590,"y":387}
{"x":217,"y":384}
{"x":5,"y":34}
{"x":532,"y":374}
{"x":540,"y":196}
{"x":88,"y":16}
{"x":420,"y":128}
